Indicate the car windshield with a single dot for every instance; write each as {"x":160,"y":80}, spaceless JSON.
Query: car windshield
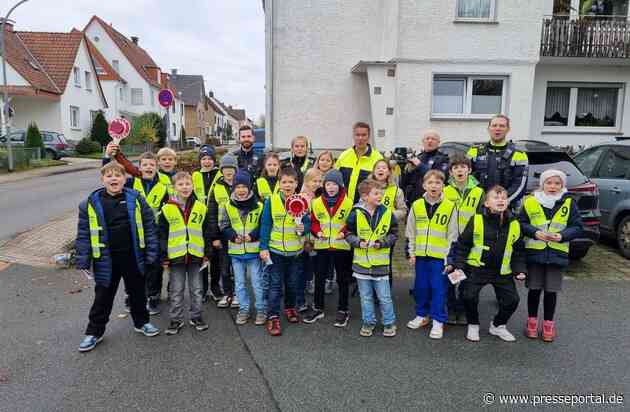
{"x":539,"y":162}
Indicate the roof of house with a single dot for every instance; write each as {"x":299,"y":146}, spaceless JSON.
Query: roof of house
{"x":191,"y":87}
{"x":107,"y":71}
{"x":212,"y":104}
{"x":137,"y":56}
{"x":238,"y":114}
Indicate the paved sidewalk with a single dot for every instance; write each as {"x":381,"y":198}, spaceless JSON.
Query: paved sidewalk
{"x":75,"y":164}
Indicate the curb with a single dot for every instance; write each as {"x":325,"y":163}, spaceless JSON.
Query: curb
{"x":18,"y":177}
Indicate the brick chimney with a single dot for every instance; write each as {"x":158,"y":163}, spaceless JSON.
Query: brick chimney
{"x":8,"y":26}
{"x":135,"y":40}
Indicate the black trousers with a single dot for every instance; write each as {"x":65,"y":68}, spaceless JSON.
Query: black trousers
{"x":215,"y":276}
{"x":455,"y":297}
{"x":123,"y":266}
{"x":505,"y":291}
{"x":342,"y":261}
{"x":153,"y":274}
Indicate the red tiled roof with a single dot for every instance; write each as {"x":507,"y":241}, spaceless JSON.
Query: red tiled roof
{"x":238,"y":114}
{"x":56,"y":52}
{"x":27,"y":65}
{"x":136,"y":55}
{"x":100,"y":61}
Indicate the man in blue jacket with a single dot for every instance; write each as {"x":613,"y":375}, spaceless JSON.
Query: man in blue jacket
{"x":116,"y":238}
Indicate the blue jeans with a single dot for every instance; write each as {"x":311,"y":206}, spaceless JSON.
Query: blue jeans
{"x":383,"y":292}
{"x":430,"y":288}
{"x":305,"y":274}
{"x":283,"y":274}
{"x":240,"y":267}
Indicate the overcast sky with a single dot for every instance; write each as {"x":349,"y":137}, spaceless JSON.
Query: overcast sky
{"x":223,"y":40}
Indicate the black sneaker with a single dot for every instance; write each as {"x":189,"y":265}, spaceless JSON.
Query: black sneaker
{"x":153,"y":306}
{"x":174,"y":327}
{"x":461,"y":319}
{"x":452,"y":318}
{"x":215,"y":295}
{"x":341,"y":321}
{"x":127,"y":305}
{"x":199,"y":324}
{"x":313,"y":316}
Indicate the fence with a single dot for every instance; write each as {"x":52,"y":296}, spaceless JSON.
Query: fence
{"x":21,"y":157}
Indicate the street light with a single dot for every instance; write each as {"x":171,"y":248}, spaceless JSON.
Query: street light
{"x":5,"y":103}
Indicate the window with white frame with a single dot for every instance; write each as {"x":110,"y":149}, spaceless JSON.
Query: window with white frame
{"x":583,"y":105}
{"x":174,"y":107}
{"x":77,"y":76}
{"x":88,"y":81}
{"x":174,"y":130}
{"x":75,"y":118}
{"x":468,"y":96}
{"x":476,"y":9}
{"x":152,"y":98}
{"x":116,"y":65}
{"x":136,"y":97}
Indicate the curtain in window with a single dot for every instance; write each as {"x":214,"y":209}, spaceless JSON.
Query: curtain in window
{"x":448,"y":95}
{"x":596,"y":107}
{"x":557,"y":106}
{"x":474,"y":8}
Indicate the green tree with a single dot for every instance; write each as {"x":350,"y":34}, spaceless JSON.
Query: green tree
{"x":145,"y":128}
{"x":33,"y":137}
{"x":228,"y":131}
{"x":99,"y":131}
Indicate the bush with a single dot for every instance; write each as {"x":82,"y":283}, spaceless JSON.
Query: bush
{"x":33,"y":137}
{"x":87,"y":146}
{"x":145,"y":129}
{"x":99,"y":131}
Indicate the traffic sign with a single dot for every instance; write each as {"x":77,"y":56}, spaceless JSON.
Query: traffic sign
{"x":119,"y":129}
{"x":166,"y":98}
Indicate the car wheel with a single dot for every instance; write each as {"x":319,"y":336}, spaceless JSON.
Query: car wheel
{"x":623,"y":237}
{"x":49,"y":155}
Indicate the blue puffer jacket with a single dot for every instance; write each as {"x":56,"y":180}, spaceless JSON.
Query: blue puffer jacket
{"x":549,"y":256}
{"x":102,"y":267}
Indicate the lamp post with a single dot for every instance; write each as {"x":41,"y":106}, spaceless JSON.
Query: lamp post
{"x":5,"y":102}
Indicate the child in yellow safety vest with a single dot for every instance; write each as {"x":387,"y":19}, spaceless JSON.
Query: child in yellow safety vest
{"x":220,"y":269}
{"x":324,"y":162}
{"x":116,"y":238}
{"x":185,"y":246}
{"x":464,"y":190}
{"x":431,"y":228}
{"x":239,"y":223}
{"x":550,"y":219}
{"x":490,"y":251}
{"x":372,"y":232}
{"x":267,"y":183}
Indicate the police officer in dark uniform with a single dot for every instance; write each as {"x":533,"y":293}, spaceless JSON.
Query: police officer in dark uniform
{"x":298,"y":158}
{"x":498,"y":162}
{"x":246,"y":157}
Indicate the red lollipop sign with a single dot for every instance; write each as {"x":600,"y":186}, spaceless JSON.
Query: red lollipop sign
{"x":297,"y":207}
{"x":119,"y":129}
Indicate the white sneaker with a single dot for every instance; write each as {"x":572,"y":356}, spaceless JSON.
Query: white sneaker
{"x":501,"y":332}
{"x":235,"y":304}
{"x":418,"y":322}
{"x":224,"y":302}
{"x":437,"y":330}
{"x":473,"y":333}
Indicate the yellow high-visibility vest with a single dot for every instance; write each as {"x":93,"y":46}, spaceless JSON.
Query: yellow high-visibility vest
{"x":432,"y":235}
{"x":466,"y":206}
{"x":96,"y":229}
{"x":185,"y":238}
{"x":155,"y":196}
{"x":284,"y":236}
{"x":264,"y":190}
{"x":331,"y":226}
{"x":371,"y":256}
{"x":200,"y":188}
{"x":389,"y":197}
{"x":348,"y":160}
{"x":251,"y":223}
{"x":475,"y":254}
{"x":221,"y":194}
{"x":537,"y":218}
{"x":166,"y":181}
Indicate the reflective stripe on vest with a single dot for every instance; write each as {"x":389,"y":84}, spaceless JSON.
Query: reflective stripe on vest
{"x":432,"y":236}
{"x":284,"y":237}
{"x":96,"y":229}
{"x":166,"y":181}
{"x":155,"y":196}
{"x":221,"y":194}
{"x":199,"y":186}
{"x":185,"y":238}
{"x":475,"y":254}
{"x":537,"y":218}
{"x":251,"y":223}
{"x":264,"y":190}
{"x":389,"y":197}
{"x":370,"y":257}
{"x":466,"y":206}
{"x":349,"y":160}
{"x":331,"y":227}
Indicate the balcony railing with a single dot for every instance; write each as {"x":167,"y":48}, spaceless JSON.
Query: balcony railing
{"x":591,"y":37}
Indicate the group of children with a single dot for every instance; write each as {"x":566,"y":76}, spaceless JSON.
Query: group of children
{"x":224,"y":224}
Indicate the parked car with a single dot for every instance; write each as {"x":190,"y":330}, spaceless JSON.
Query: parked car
{"x":55,"y":144}
{"x":543,"y":156}
{"x":259,"y":144}
{"x":193,"y":141}
{"x":608,"y":165}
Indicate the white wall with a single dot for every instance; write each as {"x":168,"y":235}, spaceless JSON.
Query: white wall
{"x":13,"y":77}
{"x":577,"y":73}
{"x":86,"y":100}
{"x":44,"y":112}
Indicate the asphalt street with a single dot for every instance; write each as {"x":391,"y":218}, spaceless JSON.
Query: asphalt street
{"x":33,"y":202}
{"x":310,"y":368}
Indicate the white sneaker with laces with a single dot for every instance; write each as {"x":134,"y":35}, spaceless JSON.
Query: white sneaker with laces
{"x":501,"y":332}
{"x":437,"y":330}
{"x":223,"y":303}
{"x":418,"y":322}
{"x":235,"y":304}
{"x":473,"y":333}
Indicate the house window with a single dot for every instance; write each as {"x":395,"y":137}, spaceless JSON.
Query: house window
{"x":136,"y":97}
{"x":468,"y":96}
{"x":122,"y":94}
{"x":75,"y":118}
{"x":584,"y":105}
{"x":88,"y":81}
{"x":389,"y":111}
{"x":77,"y":76}
{"x":378,"y":90}
{"x":475,"y":9}
{"x":152,"y":98}
{"x":174,"y":130}
{"x":116,"y":65}
{"x":174,"y":108}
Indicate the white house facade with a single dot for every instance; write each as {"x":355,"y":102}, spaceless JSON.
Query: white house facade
{"x":560,"y":73}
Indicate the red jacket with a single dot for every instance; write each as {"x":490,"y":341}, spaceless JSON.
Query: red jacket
{"x":315,"y":225}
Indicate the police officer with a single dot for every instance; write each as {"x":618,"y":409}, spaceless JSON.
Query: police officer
{"x":246,"y":157}
{"x":498,"y":162}
{"x":430,"y":158}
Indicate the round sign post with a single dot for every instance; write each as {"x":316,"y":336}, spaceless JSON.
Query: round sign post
{"x":166,"y":99}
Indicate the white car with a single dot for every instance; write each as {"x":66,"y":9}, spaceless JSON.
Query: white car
{"x":193,"y":141}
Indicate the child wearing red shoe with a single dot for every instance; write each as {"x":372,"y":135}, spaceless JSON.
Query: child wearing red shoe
{"x":549,"y":219}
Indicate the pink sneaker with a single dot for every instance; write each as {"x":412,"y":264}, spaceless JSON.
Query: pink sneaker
{"x":549,"y":331}
{"x":532,"y":328}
